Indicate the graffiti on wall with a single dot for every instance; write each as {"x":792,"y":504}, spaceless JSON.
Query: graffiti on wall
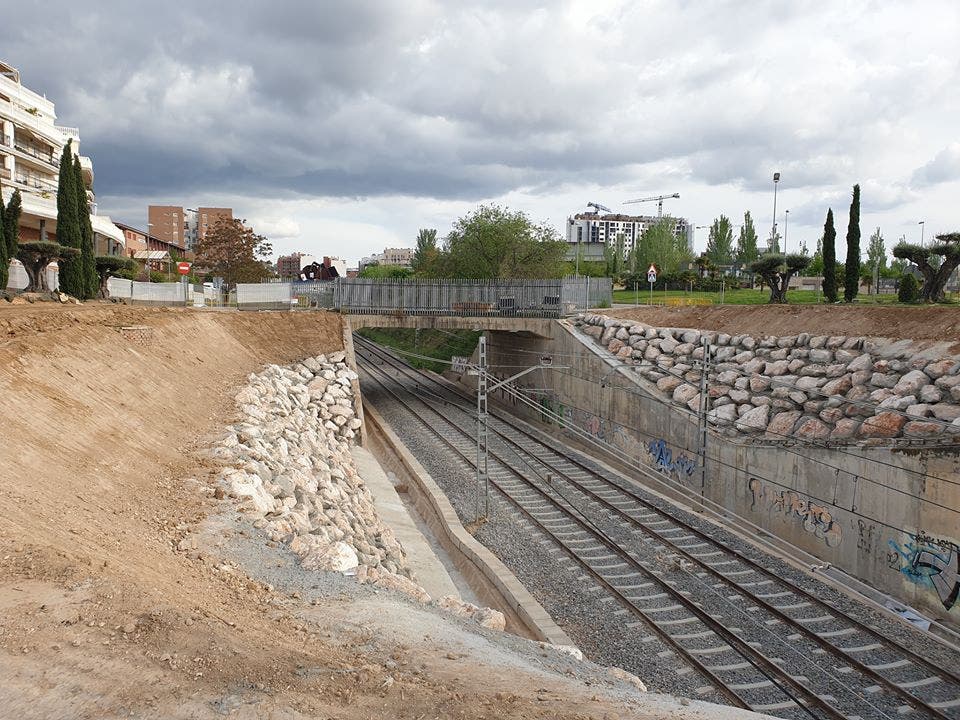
{"x":663,"y":459}
{"x":594,"y":425}
{"x":815,"y":518}
{"x":929,"y":562}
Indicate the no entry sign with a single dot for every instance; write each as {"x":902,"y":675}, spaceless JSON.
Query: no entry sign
{"x":183,"y":268}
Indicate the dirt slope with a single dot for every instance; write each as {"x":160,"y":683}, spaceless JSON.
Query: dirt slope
{"x":917,"y":323}
{"x":101,"y":616}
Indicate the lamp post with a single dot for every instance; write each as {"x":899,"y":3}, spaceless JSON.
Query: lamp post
{"x":921,"y":224}
{"x":773,"y":232}
{"x":786,"y":221}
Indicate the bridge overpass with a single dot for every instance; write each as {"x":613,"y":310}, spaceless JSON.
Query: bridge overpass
{"x":526,"y":306}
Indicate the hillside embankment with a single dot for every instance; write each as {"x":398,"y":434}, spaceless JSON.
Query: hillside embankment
{"x":109,"y":415}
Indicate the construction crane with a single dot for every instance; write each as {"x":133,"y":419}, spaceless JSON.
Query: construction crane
{"x":600,"y":207}
{"x":658,"y":198}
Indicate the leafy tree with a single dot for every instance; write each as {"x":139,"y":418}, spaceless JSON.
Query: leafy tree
{"x":876,"y":252}
{"x":935,"y":272}
{"x":720,"y":242}
{"x":234,"y":252}
{"x":385,"y":272}
{"x":660,"y":246}
{"x":495,"y":242}
{"x":111,"y":265}
{"x":851,"y":275}
{"x":770,"y":268}
{"x":908,"y":290}
{"x":69,"y":234}
{"x":816,"y":262}
{"x":613,"y":256}
{"x":829,"y":259}
{"x":35,"y":257}
{"x":774,"y":243}
{"x":426,"y":253}
{"x":747,"y":250}
{"x":91,"y":280}
{"x":11,"y":223}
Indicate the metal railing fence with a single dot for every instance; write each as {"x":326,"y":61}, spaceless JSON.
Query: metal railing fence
{"x":474,"y":298}
{"x":549,"y":298}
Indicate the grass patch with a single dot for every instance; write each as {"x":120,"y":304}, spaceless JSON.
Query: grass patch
{"x":433,"y":343}
{"x":747,"y":297}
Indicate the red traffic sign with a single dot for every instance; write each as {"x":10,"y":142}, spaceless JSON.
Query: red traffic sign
{"x":183,"y":268}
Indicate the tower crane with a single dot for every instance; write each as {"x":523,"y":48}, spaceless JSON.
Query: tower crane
{"x":658,"y":198}
{"x":600,"y":207}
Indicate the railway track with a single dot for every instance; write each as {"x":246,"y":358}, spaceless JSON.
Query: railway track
{"x":758,"y":640}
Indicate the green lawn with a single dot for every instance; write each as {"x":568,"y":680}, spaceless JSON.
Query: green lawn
{"x":740,"y":297}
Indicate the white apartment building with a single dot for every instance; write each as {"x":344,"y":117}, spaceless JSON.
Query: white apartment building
{"x":587,"y":228}
{"x":30,"y":146}
{"x":401,"y":257}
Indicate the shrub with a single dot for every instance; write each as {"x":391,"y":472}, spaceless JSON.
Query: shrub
{"x":908,"y":290}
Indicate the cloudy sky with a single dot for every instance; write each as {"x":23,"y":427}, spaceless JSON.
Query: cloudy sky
{"x":340,"y":128}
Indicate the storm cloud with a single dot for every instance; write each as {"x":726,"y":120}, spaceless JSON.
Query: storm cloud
{"x":302,"y":105}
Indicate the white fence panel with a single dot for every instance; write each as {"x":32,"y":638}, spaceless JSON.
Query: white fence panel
{"x":264,"y":295}
{"x":119,"y":288}
{"x":158,"y":292}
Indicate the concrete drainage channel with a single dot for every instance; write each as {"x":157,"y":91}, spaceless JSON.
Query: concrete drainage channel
{"x":487,"y":576}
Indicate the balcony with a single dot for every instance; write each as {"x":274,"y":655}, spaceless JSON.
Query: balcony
{"x":46,"y":157}
{"x":70,"y":132}
{"x":5,"y":174}
{"x":37,"y":184}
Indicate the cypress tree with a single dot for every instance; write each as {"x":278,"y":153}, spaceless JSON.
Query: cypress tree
{"x":829,"y":259}
{"x":91,"y":282}
{"x":11,"y":224}
{"x":68,"y":226}
{"x":4,"y":253}
{"x":851,"y":275}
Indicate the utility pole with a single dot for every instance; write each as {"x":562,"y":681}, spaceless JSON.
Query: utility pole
{"x":704,"y":409}
{"x":483,"y":391}
{"x":483,"y":477}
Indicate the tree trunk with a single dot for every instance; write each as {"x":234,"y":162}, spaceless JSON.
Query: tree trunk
{"x":36,"y":273}
{"x":104,"y":289}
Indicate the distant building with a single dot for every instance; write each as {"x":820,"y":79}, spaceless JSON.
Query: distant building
{"x":30,"y":147}
{"x":400,"y":257}
{"x":289,"y":266}
{"x":138,"y":242}
{"x":592,"y":230}
{"x":329,"y":269}
{"x":184,"y":226}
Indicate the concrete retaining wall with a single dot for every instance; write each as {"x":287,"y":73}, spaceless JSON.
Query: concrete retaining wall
{"x":879,"y":514}
{"x":493,"y":582}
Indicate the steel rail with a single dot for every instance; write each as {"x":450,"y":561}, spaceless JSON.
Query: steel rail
{"x":739,"y":646}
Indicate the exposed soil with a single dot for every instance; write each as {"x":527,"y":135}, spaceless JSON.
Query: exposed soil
{"x":916,"y":323}
{"x":105,"y":413}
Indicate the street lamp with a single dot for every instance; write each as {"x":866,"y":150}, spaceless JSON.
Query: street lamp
{"x":773,"y":233}
{"x":786,"y":221}
{"x":922,"y":228}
